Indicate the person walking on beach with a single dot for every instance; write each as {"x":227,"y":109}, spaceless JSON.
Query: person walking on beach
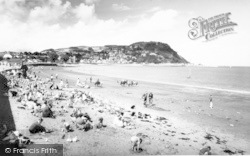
{"x":51,"y":77}
{"x":150,"y":98}
{"x":61,"y":85}
{"x":24,"y":70}
{"x":98,"y":83}
{"x":67,"y":83}
{"x":78,"y":82}
{"x":211,"y":102}
{"x":145,"y":98}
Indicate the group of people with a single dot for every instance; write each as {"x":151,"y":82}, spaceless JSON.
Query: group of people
{"x":127,"y":83}
{"x":80,"y":84}
{"x":148,"y":100}
{"x":41,"y":95}
{"x":59,"y":86}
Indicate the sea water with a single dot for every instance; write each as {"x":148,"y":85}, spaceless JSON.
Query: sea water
{"x":230,"y":79}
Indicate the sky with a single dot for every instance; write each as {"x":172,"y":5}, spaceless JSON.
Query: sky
{"x":35,"y":25}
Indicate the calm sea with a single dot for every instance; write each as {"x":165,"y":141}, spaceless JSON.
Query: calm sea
{"x":235,"y":79}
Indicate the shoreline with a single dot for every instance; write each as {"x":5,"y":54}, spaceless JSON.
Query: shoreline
{"x":198,"y":116}
{"x":163,"y":65}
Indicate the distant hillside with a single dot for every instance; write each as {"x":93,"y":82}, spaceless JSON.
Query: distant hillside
{"x":157,"y":52}
{"x":139,"y":52}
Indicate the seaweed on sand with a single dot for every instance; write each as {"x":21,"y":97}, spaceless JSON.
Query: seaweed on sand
{"x":209,"y":137}
{"x":228,"y":151}
{"x":185,"y":138}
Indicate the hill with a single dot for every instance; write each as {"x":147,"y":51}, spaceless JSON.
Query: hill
{"x":139,"y":52}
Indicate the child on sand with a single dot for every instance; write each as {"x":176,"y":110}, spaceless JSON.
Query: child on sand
{"x":37,"y":127}
{"x":136,"y":141}
{"x":47,"y":112}
{"x":205,"y":151}
{"x":61,"y":85}
{"x":100,"y":124}
{"x":66,"y":126}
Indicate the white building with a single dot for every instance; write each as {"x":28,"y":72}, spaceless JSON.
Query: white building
{"x":7,"y":56}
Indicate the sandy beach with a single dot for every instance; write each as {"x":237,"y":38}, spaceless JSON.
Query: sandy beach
{"x":190,"y":124}
{"x":124,"y":77}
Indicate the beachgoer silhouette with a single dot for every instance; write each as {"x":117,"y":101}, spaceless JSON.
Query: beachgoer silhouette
{"x":211,"y":102}
{"x":145,"y":98}
{"x":37,"y":127}
{"x":150,"y":98}
{"x":24,"y":69}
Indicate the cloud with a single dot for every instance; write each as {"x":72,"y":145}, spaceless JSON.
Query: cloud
{"x":51,"y":13}
{"x":154,"y":9}
{"x":120,"y":7}
{"x":160,"y":21}
{"x":90,"y":2}
{"x":39,"y":25}
{"x":84,"y":12}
